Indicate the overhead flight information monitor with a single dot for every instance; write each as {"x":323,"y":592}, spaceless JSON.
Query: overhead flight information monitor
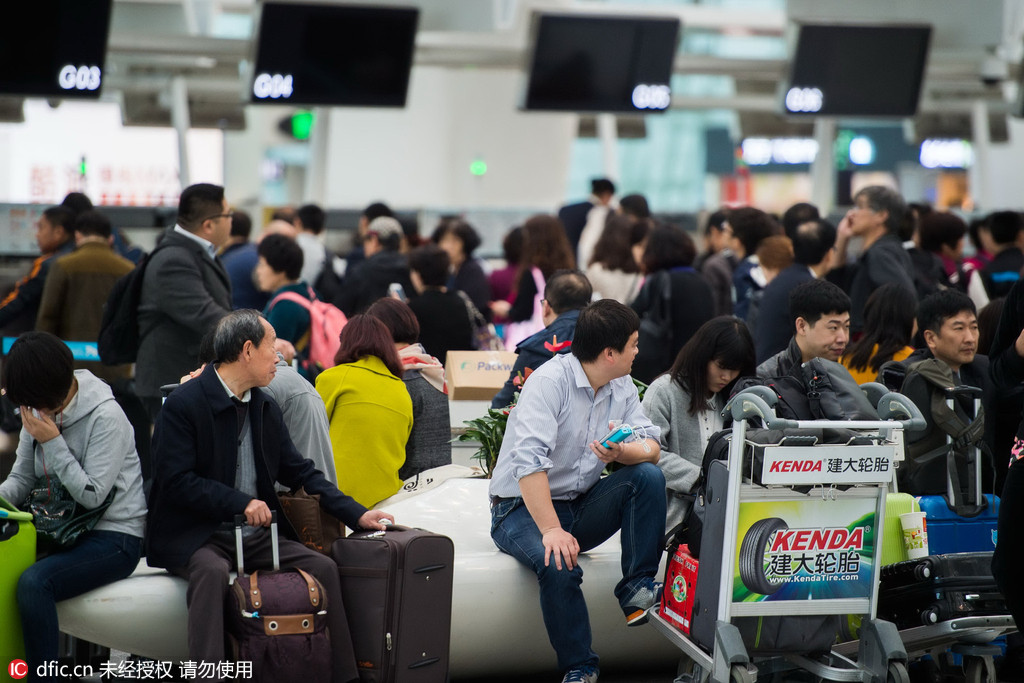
{"x":601,"y":63}
{"x":55,"y":49}
{"x":342,"y":55}
{"x":857,"y":70}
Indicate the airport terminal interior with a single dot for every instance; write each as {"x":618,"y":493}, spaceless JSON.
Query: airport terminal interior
{"x":741,"y":133}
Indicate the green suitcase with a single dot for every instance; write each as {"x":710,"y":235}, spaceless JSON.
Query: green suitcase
{"x":18,"y":549}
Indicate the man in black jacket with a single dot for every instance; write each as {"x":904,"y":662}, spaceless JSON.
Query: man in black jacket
{"x":369,"y":280}
{"x":820,"y":314}
{"x":219,"y":446}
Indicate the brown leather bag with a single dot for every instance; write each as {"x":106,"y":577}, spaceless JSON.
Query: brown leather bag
{"x":316,"y":528}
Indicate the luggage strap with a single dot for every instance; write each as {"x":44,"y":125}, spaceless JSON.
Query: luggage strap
{"x":257,"y":597}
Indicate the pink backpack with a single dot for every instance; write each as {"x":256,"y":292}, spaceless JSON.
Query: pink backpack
{"x":325,"y":323}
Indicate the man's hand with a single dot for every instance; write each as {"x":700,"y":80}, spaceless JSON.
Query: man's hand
{"x":192,"y":375}
{"x":257,"y":513}
{"x":371,"y":519}
{"x":285,"y":348}
{"x":41,"y":428}
{"x":607,"y":455}
{"x":561,"y":545}
{"x":1018,"y":345}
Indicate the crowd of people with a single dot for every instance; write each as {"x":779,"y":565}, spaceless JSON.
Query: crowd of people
{"x":588,"y":298}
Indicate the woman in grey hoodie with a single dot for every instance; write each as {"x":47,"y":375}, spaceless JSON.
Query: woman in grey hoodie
{"x":687,"y":401}
{"x":73,"y":432}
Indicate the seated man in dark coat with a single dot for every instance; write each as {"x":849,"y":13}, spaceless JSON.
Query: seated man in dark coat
{"x":566,"y":293}
{"x":219,"y":446}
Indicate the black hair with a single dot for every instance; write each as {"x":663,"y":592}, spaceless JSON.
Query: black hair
{"x":431,"y":262}
{"x":797,"y":215}
{"x":1005,"y":226}
{"x":38,"y":371}
{"x":612,"y":249}
{"x":61,"y":216}
{"x":973,"y":229}
{"x":233,"y":331}
{"x":888,"y":327}
{"x":512,"y":246}
{"x":76,"y":202}
{"x":198,"y":202}
{"x":568,"y":290}
{"x":724,"y":339}
{"x":812,"y":240}
{"x":604,"y":324}
{"x":935,"y":308}
{"x":599,"y":186}
{"x":398,"y":318}
{"x":411,"y":230}
{"x":750,"y":226}
{"x":241,"y":224}
{"x":92,"y":223}
{"x":282,"y":254}
{"x":462,"y":230}
{"x":988,"y":321}
{"x":285,"y":213}
{"x":376,"y":210}
{"x":668,"y":246}
{"x":881,"y":198}
{"x":715,"y":221}
{"x":812,"y":299}
{"x":635,"y":205}
{"x":312,"y":217}
{"x":938,"y":228}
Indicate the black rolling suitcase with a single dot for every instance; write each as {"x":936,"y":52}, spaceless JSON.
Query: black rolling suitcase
{"x":939,"y":588}
{"x":397,"y":588}
{"x":277,"y":620}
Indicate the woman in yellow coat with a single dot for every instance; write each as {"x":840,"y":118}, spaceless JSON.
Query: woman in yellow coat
{"x":369,"y":410}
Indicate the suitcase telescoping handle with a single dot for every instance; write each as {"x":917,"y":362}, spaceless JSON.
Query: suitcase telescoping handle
{"x":274,"y":549}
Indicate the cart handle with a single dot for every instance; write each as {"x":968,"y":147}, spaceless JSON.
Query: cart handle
{"x":763,"y":392}
{"x":963,"y":390}
{"x":892,"y":405}
{"x":746,"y":405}
{"x":874,"y":391}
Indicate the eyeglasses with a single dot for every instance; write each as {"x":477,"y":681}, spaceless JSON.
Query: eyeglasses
{"x":215,"y":216}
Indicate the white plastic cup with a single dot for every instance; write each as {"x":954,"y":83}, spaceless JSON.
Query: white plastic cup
{"x":915,"y":534}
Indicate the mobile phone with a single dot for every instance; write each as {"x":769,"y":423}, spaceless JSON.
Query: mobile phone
{"x":617,"y":435}
{"x":397,"y":291}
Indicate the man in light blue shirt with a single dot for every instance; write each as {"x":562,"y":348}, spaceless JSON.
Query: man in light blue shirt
{"x":548,"y":500}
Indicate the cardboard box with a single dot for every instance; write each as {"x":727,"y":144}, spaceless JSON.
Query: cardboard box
{"x":477,"y":375}
{"x":680,"y":588}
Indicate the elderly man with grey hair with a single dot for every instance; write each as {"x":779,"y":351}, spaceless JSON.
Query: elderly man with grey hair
{"x":368,"y":280}
{"x":219,"y":446}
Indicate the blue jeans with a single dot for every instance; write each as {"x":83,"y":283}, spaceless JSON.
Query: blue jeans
{"x":631,"y":499}
{"x":96,"y":559}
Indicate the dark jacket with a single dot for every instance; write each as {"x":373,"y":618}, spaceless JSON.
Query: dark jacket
{"x":884,"y":261}
{"x":444,"y":323}
{"x":472,"y":280}
{"x":239,"y":261}
{"x":195,"y":454}
{"x":718,"y":269}
{"x":692,"y":306}
{"x":184,"y":294}
{"x":783,"y":362}
{"x":369,"y":279}
{"x":774,"y":324}
{"x":1006,"y":371}
{"x":19,"y":308}
{"x":1004,"y":270}
{"x":574,"y":218}
{"x":538,"y":349}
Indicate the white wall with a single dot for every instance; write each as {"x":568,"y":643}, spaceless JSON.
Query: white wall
{"x":420,"y":155}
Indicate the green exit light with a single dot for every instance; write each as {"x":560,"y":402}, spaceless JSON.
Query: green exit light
{"x":81,"y":167}
{"x":478,"y":168}
{"x":302,"y":125}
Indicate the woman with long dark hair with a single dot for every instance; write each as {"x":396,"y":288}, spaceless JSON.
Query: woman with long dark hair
{"x":612,"y":271}
{"x":687,"y":402}
{"x":460,"y":240}
{"x":369,"y":410}
{"x":889,"y":327}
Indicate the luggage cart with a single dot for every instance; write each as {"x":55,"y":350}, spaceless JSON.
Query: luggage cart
{"x":757,"y":581}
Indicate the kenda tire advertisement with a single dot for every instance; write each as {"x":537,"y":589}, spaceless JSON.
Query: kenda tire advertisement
{"x":806,"y":550}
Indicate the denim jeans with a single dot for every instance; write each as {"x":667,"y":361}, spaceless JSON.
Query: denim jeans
{"x":96,"y":559}
{"x":631,"y":499}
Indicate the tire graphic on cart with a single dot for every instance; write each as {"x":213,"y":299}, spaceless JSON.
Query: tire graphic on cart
{"x":752,"y":555}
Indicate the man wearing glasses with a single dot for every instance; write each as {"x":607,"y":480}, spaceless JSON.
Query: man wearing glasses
{"x":185,"y":291}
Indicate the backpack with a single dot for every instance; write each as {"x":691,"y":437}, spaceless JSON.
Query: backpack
{"x":325,"y":324}
{"x":819,"y":389}
{"x":947,"y":446}
{"x":655,"y":340}
{"x":119,"y":338}
{"x":328,"y":283}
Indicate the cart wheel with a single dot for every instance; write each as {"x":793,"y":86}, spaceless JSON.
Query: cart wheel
{"x":975,"y":671}
{"x":752,"y":550}
{"x":897,"y":673}
{"x":739,"y":673}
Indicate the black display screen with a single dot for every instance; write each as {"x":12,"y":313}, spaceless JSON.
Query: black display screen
{"x":857,"y":70}
{"x":601,"y":64}
{"x":334,"y":55}
{"x":55,"y":48}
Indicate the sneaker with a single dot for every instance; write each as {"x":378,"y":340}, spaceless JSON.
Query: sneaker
{"x":581,"y":674}
{"x":642,"y":601}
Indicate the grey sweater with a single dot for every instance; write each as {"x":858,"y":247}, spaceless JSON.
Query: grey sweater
{"x":667,"y":405}
{"x":305,"y":417}
{"x":94,"y":453}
